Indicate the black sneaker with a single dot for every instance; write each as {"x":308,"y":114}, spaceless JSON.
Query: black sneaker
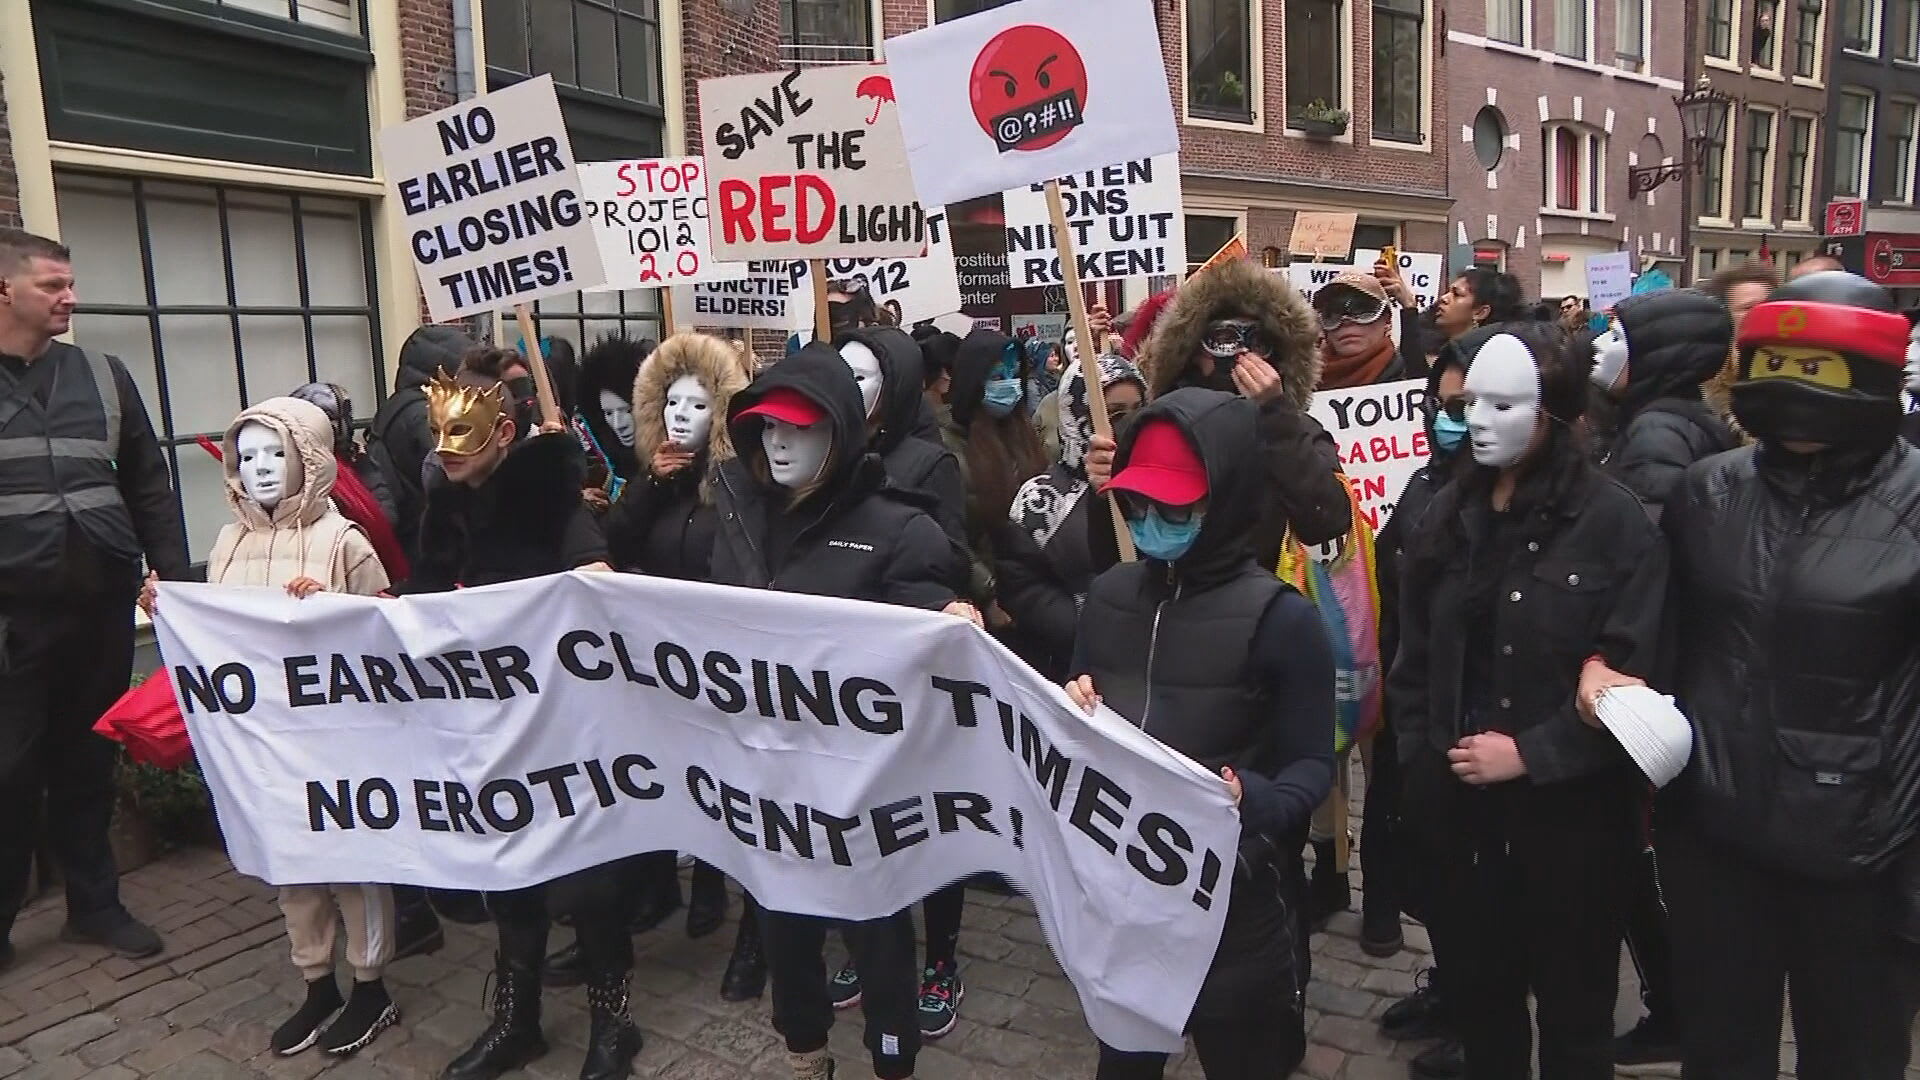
{"x":1445,"y":1060}
{"x":940,"y":994}
{"x":1419,"y":1015}
{"x":303,"y":1028}
{"x":368,"y":1012}
{"x":114,"y":929}
{"x":1650,"y":1042}
{"x":843,"y":989}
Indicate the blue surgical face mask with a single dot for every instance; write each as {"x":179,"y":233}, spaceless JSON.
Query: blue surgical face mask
{"x":1002,"y":395}
{"x":1448,"y":433}
{"x":1158,"y":538}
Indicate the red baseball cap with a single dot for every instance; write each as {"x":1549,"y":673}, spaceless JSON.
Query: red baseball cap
{"x":1163,"y":466}
{"x":788,"y":404}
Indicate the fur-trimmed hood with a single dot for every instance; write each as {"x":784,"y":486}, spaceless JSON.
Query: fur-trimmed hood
{"x":717,"y":365}
{"x":1237,"y":288}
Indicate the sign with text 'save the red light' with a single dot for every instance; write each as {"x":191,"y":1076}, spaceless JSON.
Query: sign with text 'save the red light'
{"x":809,"y":164}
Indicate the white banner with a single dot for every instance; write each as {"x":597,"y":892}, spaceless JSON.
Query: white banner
{"x":837,"y":758}
{"x":650,"y":218}
{"x":1382,"y":435}
{"x":914,"y":290}
{"x":491,"y":202}
{"x":775,"y":295}
{"x":1126,"y":222}
{"x":1029,"y":91}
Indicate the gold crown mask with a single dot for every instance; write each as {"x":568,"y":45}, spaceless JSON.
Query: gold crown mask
{"x":463,"y":417}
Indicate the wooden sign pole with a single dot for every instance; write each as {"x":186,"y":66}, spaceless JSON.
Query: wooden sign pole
{"x":822,"y":318}
{"x":1083,"y":344}
{"x":666,"y":313}
{"x":536,"y":360}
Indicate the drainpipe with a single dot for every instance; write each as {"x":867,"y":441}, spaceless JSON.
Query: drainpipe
{"x":465,"y":85}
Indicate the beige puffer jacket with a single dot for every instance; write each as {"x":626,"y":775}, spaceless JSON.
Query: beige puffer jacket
{"x":304,"y":536}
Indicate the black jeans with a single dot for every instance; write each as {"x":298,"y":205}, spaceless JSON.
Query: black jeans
{"x":1649,"y":943}
{"x":884,"y":954}
{"x":592,"y":898}
{"x":63,"y":662}
{"x":1383,"y":858}
{"x":1531,"y":885}
{"x":943,"y":910}
{"x":1741,"y":932}
{"x":1257,"y":1048}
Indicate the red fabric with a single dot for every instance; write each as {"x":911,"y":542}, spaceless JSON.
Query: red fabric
{"x":357,"y":504}
{"x":1854,"y":331}
{"x":1144,"y":317}
{"x":147,"y":721}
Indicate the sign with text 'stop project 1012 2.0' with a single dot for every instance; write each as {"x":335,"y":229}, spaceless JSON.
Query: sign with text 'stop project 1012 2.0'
{"x":650,"y":216}
{"x":1031,"y":91}
{"x":491,"y":202}
{"x":809,"y":164}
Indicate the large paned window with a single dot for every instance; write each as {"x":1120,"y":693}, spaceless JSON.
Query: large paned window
{"x":1799,"y":166}
{"x":1713,"y":177}
{"x":1630,"y":26}
{"x":1398,"y":75}
{"x":1316,"y":42}
{"x":1570,"y":36}
{"x":1806,"y":38}
{"x":1507,"y":21}
{"x":826,"y":31}
{"x":1207,"y":234}
{"x":610,"y":47}
{"x":1859,"y":24}
{"x":1853,"y":125}
{"x":1904,"y":26}
{"x":583,"y":318}
{"x":216,"y":298}
{"x":1757,"y":185}
{"x":1719,"y":43}
{"x":1764,"y":50}
{"x":1220,"y":59}
{"x":1898,"y":131}
{"x":340,"y":16}
{"x":1574,"y":173}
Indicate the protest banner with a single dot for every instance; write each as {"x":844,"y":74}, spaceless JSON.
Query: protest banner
{"x":1029,"y":91}
{"x":499,"y":737}
{"x":1126,"y":220}
{"x":774,"y":295}
{"x":1235,"y":248}
{"x":809,"y":164}
{"x":1609,"y":279}
{"x":491,"y":202}
{"x":1421,"y":271}
{"x":913,"y":290}
{"x":1320,"y":234}
{"x":650,"y":216}
{"x":1381,"y":434}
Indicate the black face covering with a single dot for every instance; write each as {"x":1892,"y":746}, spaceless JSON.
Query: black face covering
{"x":526,"y":403}
{"x":1783,"y":410}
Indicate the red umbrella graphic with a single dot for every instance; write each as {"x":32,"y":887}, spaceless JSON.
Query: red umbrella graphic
{"x":880,"y":89}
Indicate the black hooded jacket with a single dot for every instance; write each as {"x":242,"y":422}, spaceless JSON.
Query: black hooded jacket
{"x":611,"y":365}
{"x":1677,"y":339}
{"x":855,"y":536}
{"x":914,"y":462}
{"x":525,"y":521}
{"x":399,"y":439}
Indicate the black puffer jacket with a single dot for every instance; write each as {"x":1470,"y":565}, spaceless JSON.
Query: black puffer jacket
{"x":400,"y":438}
{"x":1677,"y":340}
{"x":526,"y":520}
{"x":914,"y":461}
{"x":855,"y":537}
{"x":1798,"y":657}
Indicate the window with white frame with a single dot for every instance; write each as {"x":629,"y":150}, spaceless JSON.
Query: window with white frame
{"x":1706,"y":262}
{"x":583,"y":318}
{"x":1764,"y":48}
{"x":610,"y":47}
{"x":1902,"y":117}
{"x":1398,"y":69}
{"x":1719,"y":41}
{"x":1756,"y":194}
{"x":1206,"y":234}
{"x":1574,"y":174}
{"x":219,"y":297}
{"x":1904,"y":25}
{"x":1859,"y":24}
{"x":1799,"y":168}
{"x":1808,"y":30}
{"x":1316,"y":44}
{"x":1852,"y":155}
{"x":341,"y":16}
{"x":1570,"y":37}
{"x":826,"y":31}
{"x":1632,"y":20}
{"x":1507,"y":21}
{"x":1713,"y":175}
{"x":1220,"y":59}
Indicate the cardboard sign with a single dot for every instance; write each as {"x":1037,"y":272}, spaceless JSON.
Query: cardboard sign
{"x":809,"y":165}
{"x":774,"y":295}
{"x":1382,"y":435}
{"x":1423,"y":274}
{"x":1322,"y":234}
{"x":1029,"y":91}
{"x":650,"y":216}
{"x":914,"y":290}
{"x":1609,"y":279}
{"x":1126,"y":221}
{"x":491,"y":202}
{"x":1235,"y":248}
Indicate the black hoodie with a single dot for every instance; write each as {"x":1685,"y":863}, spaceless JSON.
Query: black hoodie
{"x":855,"y":536}
{"x":611,"y":365}
{"x":400,"y":438}
{"x":913,"y":462}
{"x":524,"y":521}
{"x":1677,"y":339}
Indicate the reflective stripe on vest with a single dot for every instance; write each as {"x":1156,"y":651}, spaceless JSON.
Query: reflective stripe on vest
{"x":81,"y":464}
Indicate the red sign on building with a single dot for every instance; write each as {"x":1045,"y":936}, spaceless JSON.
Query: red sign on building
{"x":1846,"y":217}
{"x":1893,"y":260}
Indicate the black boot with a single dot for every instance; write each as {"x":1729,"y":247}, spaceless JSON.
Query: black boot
{"x":746,"y":975}
{"x":656,"y":890}
{"x":613,"y":1041}
{"x":565,"y":967}
{"x":1327,"y":893}
{"x":707,"y":902}
{"x":513,"y":1038}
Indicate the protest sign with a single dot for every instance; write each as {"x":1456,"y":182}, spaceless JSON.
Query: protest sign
{"x":1320,"y":234}
{"x":809,"y":164}
{"x":650,"y":217}
{"x":1609,"y":279}
{"x":1422,"y":273}
{"x":1126,"y":221}
{"x":500,"y":737}
{"x":1235,"y":248}
{"x":1029,"y":91}
{"x":774,"y":295}
{"x":1381,"y":433}
{"x":913,"y":290}
{"x":491,"y":202}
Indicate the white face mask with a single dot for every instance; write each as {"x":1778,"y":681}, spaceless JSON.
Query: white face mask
{"x":1503,"y":391}
{"x":1610,"y":357}
{"x":689,"y":413}
{"x":795,"y":455}
{"x":1913,"y":362}
{"x":619,"y":414}
{"x":866,"y":372}
{"x":263,"y":464}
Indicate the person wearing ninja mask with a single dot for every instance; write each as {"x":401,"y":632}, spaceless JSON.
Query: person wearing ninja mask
{"x":1208,"y":652}
{"x":603,"y":416}
{"x":1789,"y":848}
{"x":1529,"y":562}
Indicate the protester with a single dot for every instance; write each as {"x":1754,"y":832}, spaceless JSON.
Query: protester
{"x":87,"y":496}
{"x":1659,"y":351}
{"x":1819,"y":264}
{"x":1356,"y":345}
{"x":506,"y":511}
{"x":850,"y":306}
{"x":1042,"y":564}
{"x":988,"y":429}
{"x":887,"y":364}
{"x":1787,"y":850}
{"x":666,"y":525}
{"x":1208,"y":652}
{"x":937,"y":350}
{"x":281,"y":461}
{"x":603,"y":417}
{"x":400,"y":439}
{"x":360,"y":492}
{"x":1415,"y":357}
{"x":1527,"y":564}
{"x":1574,"y":314}
{"x":805,"y":508}
{"x":1740,"y":288}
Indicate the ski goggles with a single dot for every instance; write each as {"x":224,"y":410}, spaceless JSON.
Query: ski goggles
{"x":1227,"y":338}
{"x":1338,"y":306}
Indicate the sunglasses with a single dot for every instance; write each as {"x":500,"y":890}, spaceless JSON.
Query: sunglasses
{"x":1228,"y":338}
{"x":1337,"y":307}
{"x":1136,"y":507}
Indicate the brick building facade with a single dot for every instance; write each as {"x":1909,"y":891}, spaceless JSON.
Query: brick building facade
{"x":9,"y":180}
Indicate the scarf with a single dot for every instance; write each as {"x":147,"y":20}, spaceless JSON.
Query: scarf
{"x":1340,"y":373}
